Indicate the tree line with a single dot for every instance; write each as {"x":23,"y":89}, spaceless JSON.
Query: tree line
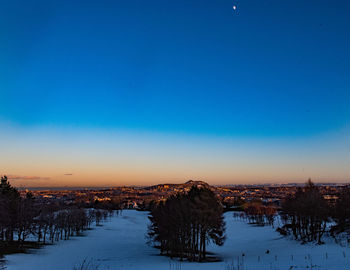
{"x":24,"y":218}
{"x":308,"y":216}
{"x":182,"y":225}
{"x":258,"y":213}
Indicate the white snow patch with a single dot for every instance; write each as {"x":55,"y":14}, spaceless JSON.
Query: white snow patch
{"x":121,"y":244}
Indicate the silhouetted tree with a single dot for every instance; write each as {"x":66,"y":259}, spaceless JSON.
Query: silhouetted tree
{"x":185,"y":223}
{"x":260,"y":214}
{"x":342,"y":212}
{"x":26,"y":214}
{"x":9,"y":203}
{"x":21,"y":217}
{"x":306,"y":213}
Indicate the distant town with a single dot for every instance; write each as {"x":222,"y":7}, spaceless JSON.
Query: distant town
{"x":132,"y":197}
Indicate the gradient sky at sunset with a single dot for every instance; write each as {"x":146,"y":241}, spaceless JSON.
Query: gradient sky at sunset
{"x":105,"y":93}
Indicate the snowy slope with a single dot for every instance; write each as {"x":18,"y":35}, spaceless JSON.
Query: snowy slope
{"x":121,"y":244}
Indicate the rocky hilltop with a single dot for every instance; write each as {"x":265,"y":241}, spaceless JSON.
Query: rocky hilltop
{"x":178,"y":187}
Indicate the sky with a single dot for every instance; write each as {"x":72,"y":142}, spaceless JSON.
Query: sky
{"x":108,"y":93}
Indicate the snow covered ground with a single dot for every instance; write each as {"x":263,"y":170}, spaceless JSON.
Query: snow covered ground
{"x":121,"y":244}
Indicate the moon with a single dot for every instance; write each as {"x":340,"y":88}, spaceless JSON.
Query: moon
{"x":234,"y":7}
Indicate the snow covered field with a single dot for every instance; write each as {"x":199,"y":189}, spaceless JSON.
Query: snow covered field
{"x":121,"y":244}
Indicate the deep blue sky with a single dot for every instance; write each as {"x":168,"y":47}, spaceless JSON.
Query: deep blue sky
{"x":135,"y":91}
{"x":270,"y":68}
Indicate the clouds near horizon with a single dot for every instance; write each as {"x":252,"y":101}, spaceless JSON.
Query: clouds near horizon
{"x":25,"y":177}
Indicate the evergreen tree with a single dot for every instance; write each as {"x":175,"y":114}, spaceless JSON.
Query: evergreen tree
{"x":342,"y":212}
{"x":306,"y":213}
{"x":9,"y":206}
{"x":184,"y":224}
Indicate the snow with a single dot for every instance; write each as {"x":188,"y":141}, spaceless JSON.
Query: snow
{"x":121,"y":244}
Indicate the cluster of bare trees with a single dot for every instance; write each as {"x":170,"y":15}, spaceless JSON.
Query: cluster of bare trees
{"x":341,"y":213}
{"x":305,"y":214}
{"x":260,"y":214}
{"x":61,"y":224}
{"x":24,"y":217}
{"x":184,"y":223}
